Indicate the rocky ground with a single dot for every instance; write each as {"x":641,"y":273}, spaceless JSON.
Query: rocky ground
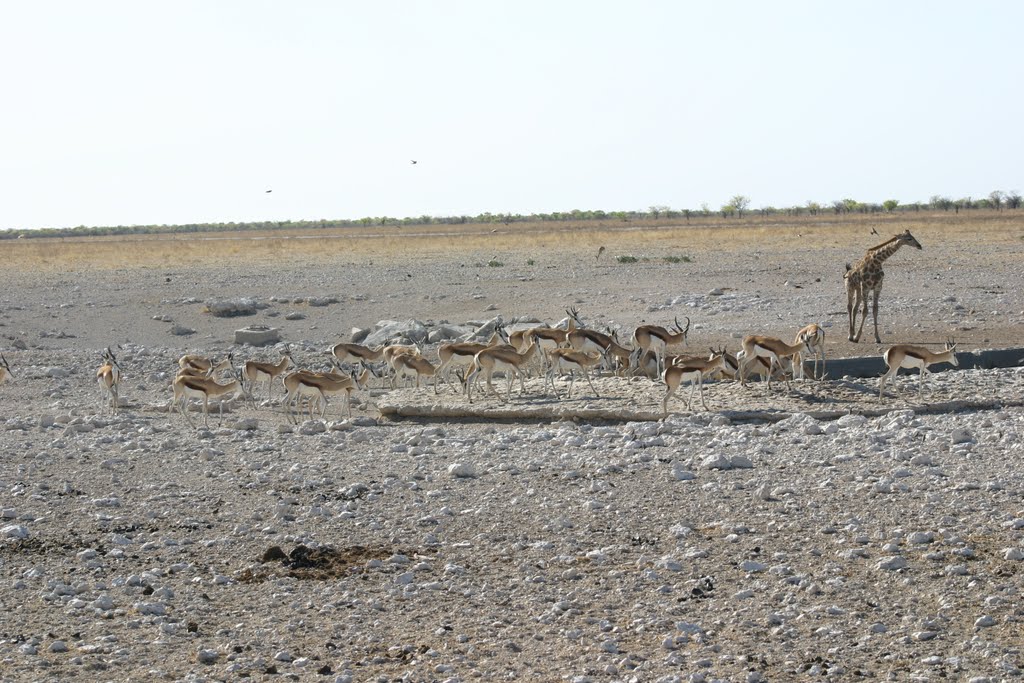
{"x":713,"y":545}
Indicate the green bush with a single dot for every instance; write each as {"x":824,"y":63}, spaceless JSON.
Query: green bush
{"x":678,"y":259}
{"x":626,"y":259}
{"x":494,"y":263}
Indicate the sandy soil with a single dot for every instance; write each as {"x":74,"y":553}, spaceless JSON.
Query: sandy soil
{"x":699,"y":548}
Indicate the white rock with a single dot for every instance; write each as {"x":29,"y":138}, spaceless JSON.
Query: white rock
{"x":961,"y":436}
{"x":985,"y":621}
{"x":207,"y":656}
{"x":461,"y":470}
{"x":1013,"y":554}
{"x":716,"y":461}
{"x":741,"y":462}
{"x":847,"y":421}
{"x":311,"y":427}
{"x":680,"y":473}
{"x":14,"y":531}
{"x":891,"y":563}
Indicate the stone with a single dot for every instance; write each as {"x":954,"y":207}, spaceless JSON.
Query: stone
{"x":462,"y":470}
{"x":230,"y":308}
{"x":961,"y":436}
{"x":716,"y":462}
{"x":257,"y":335}
{"x":14,"y":531}
{"x":891,"y":563}
{"x":413,"y":330}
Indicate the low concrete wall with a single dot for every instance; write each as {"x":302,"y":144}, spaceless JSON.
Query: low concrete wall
{"x":874,"y":366}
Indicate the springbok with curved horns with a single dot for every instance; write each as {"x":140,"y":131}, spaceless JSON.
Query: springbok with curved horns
{"x":656,"y":339}
{"x":586,"y":340}
{"x":5,"y":371}
{"x":550,"y":338}
{"x":910,"y":356}
{"x":108,"y":377}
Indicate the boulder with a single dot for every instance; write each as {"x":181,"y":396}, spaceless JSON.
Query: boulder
{"x":413,"y":330}
{"x":229,"y":308}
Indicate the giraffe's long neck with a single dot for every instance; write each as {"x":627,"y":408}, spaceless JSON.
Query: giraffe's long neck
{"x":885,"y":251}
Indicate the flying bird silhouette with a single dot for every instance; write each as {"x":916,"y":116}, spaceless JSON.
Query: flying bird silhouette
{"x":413,"y":161}
{"x":873,"y":231}
{"x":268,"y":191}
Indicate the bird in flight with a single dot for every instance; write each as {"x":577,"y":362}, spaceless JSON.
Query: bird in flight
{"x":873,"y":231}
{"x":413,"y":161}
{"x":268,"y":191}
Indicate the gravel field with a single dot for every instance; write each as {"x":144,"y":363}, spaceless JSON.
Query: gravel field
{"x":777,"y":547}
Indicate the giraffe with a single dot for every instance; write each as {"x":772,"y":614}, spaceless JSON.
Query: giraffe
{"x":864,"y":278}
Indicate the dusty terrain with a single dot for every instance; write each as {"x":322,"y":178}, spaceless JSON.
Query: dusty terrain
{"x":702,"y":547}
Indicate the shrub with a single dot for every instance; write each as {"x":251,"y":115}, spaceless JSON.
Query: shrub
{"x":494,"y":263}
{"x":678,"y":259}
{"x":626,"y":259}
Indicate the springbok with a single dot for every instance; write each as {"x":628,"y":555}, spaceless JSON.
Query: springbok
{"x":656,"y":339}
{"x":756,"y":346}
{"x":187,"y":387}
{"x":501,"y":359}
{"x":461,"y":355}
{"x":108,"y":376}
{"x":201,"y":365}
{"x":694,"y":370}
{"x":407,"y":365}
{"x":588,"y":341}
{"x":815,"y":335}
{"x":317,"y":386}
{"x":567,"y":360}
{"x":5,"y":371}
{"x":256,"y":372}
{"x":909,"y":356}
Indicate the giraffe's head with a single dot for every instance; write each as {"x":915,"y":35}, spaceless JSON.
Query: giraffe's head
{"x":906,"y":238}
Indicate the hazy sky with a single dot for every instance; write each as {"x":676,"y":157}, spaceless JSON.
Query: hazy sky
{"x":140,"y":112}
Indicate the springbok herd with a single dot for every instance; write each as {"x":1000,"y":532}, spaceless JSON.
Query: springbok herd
{"x":570,"y":348}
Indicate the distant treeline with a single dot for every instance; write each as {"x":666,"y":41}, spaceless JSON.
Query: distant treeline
{"x":737,"y":207}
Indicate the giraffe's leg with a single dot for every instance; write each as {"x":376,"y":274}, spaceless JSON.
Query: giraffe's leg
{"x":878,"y":290}
{"x":862,"y":297}
{"x":851,"y":308}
